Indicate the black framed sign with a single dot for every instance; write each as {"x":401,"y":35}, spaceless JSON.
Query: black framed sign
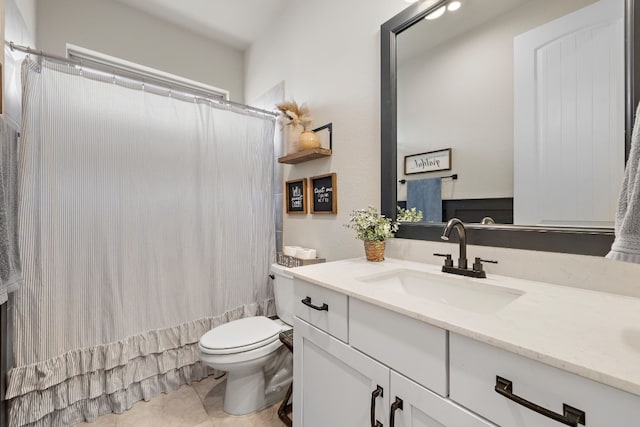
{"x":324,"y":194}
{"x":296,"y":192}
{"x":431,"y":161}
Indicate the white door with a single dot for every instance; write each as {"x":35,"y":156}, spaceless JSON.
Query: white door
{"x":569,"y":118}
{"x":334,"y":384}
{"x":423,"y":408}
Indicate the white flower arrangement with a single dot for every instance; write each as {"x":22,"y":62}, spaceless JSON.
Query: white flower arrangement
{"x":409,"y":215}
{"x":370,"y":225}
{"x":292,"y":114}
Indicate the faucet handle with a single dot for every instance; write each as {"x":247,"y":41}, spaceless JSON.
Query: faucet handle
{"x":477,"y":265}
{"x":448,"y":261}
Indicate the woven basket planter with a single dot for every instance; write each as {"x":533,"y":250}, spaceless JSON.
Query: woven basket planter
{"x":374,"y":250}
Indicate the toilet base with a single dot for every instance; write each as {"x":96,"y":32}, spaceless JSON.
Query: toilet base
{"x":246,"y":389}
{"x":245,"y":392}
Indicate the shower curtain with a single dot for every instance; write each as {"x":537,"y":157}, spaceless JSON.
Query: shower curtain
{"x":146,"y":219}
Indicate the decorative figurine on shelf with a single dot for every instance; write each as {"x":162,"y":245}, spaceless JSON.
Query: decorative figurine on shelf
{"x":373,"y":228}
{"x":298,"y":122}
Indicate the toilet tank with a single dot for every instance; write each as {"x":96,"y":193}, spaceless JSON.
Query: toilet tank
{"x":283,"y":290}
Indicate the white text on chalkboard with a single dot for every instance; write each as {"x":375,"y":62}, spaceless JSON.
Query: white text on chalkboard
{"x":322,"y":194}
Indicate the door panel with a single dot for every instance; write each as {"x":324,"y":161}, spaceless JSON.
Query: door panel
{"x":569,"y":118}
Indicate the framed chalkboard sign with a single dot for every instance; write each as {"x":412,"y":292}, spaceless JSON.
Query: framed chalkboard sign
{"x":324,"y":194}
{"x":296,"y":194}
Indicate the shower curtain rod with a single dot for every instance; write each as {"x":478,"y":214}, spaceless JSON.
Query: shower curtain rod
{"x":160,"y":82}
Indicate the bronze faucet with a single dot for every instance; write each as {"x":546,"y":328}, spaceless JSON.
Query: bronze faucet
{"x":477,"y":270}
{"x":455,"y":223}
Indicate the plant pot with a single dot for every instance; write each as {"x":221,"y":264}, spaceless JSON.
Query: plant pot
{"x":308,"y":140}
{"x":293,"y":138}
{"x":374,"y":250}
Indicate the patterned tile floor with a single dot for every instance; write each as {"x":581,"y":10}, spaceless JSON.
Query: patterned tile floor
{"x":198,"y":405}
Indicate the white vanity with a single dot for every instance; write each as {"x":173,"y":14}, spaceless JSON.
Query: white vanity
{"x":400,"y":343}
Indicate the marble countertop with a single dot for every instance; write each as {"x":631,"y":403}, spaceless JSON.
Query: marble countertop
{"x":592,"y":334}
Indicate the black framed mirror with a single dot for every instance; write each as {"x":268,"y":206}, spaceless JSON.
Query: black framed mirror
{"x":567,"y":239}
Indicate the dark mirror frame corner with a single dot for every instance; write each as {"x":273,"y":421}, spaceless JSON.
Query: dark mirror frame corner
{"x":582,"y":241}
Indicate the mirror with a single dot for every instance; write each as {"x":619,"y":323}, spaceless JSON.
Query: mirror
{"x":462,"y":81}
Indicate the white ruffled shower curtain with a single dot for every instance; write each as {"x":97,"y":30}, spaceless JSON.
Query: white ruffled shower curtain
{"x":146,"y":219}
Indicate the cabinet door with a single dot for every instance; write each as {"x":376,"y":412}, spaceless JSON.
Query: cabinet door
{"x":333,"y":383}
{"x":423,"y":408}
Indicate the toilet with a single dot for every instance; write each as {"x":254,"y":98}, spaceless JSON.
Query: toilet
{"x":244,"y":347}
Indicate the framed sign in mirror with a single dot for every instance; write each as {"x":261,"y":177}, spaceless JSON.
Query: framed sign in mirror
{"x":432,"y":161}
{"x":324,"y":194}
{"x":295,"y":192}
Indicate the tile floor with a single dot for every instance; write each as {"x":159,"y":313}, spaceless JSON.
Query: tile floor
{"x":198,"y":405}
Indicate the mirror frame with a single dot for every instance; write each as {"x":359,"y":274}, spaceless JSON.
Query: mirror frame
{"x":583,"y":241}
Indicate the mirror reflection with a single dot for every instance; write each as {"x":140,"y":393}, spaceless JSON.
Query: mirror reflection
{"x":512,"y":111}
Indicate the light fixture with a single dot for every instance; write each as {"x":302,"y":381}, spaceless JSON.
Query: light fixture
{"x":436,"y":13}
{"x":410,"y":1}
{"x":453,"y":6}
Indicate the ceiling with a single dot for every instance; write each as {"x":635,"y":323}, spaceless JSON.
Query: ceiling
{"x":425,"y":34}
{"x":233,"y":22}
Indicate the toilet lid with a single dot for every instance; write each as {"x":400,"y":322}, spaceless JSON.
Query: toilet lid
{"x":242,"y":334}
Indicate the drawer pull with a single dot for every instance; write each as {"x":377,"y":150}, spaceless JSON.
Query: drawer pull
{"x":394,"y":407}
{"x":374,"y":395}
{"x":571,"y":416}
{"x":307,"y":302}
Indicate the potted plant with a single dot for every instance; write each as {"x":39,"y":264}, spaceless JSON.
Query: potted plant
{"x":373,"y":228}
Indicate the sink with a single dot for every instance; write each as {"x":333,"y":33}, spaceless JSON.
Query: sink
{"x":461,"y":292}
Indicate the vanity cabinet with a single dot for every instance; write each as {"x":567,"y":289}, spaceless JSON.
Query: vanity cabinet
{"x":341,"y":383}
{"x":336,"y":385}
{"x":477,"y":369}
{"x":354,"y":357}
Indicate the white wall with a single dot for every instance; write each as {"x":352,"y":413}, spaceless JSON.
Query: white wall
{"x":27,"y":9}
{"x":20,"y":28}
{"x":328,"y":54}
{"x":118,"y":30}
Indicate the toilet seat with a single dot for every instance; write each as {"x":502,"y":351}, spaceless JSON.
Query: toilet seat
{"x":240,"y":336}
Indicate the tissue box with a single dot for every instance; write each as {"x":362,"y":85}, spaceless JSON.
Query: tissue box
{"x":291,"y":261}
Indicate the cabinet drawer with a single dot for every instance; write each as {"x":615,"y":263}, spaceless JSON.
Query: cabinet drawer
{"x":409,"y":346}
{"x":323,"y":308}
{"x":475,"y":366}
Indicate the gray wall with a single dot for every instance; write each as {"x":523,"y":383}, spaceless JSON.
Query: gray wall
{"x":118,"y":30}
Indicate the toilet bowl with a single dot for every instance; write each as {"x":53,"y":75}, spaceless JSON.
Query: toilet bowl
{"x":243,"y":348}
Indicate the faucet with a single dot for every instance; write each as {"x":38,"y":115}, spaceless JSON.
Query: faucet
{"x":487,"y":220}
{"x":477,"y":270}
{"x":455,"y":223}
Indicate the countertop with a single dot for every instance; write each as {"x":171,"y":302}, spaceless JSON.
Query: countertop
{"x":592,"y":334}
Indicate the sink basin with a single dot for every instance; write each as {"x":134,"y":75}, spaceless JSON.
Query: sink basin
{"x":457,"y":291}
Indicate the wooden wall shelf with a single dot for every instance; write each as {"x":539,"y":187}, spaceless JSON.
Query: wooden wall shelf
{"x":305,"y":156}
